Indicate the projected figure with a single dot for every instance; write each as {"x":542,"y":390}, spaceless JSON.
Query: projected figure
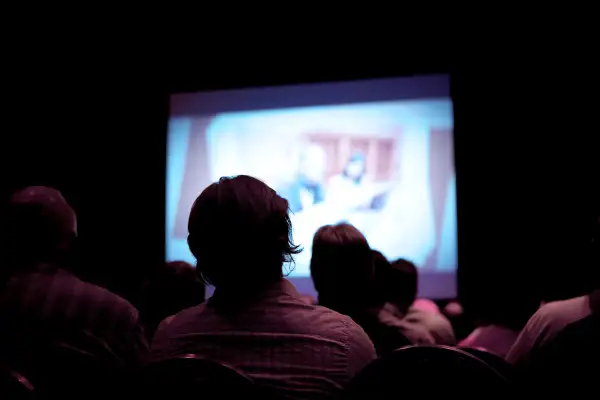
{"x":350,"y":190}
{"x":307,"y":189}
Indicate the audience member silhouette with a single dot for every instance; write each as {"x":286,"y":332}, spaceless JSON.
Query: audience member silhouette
{"x":568,"y":362}
{"x":500,"y":309}
{"x":342,"y":271}
{"x":240,"y":233}
{"x":170,"y":288}
{"x":43,"y":304}
{"x":399,"y":284}
{"x":551,"y":318}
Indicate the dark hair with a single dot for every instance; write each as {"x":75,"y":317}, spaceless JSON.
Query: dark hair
{"x":40,"y":225}
{"x":355,"y":157}
{"x":240,"y":233}
{"x":379,"y":261}
{"x":381,"y":271}
{"x":341,"y":266}
{"x":401,"y":283}
{"x":171,"y":288}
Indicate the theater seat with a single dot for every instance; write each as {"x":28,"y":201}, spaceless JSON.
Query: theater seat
{"x":191,"y":376}
{"x":493,"y":360}
{"x":426,"y":371}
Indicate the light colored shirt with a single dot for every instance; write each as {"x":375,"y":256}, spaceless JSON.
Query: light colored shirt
{"x":294,"y":349}
{"x":493,"y":338}
{"x":419,"y":326}
{"x":545,"y":324}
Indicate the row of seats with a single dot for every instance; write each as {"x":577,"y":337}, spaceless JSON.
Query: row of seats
{"x":453,"y":370}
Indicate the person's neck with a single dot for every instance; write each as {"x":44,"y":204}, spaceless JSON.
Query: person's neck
{"x":244,"y":291}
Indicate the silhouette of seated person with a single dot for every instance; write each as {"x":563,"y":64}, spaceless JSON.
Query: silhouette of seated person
{"x":256,"y":322}
{"x":342,"y":272}
{"x":398,"y":282}
{"x":566,"y":359}
{"x":170,"y":288}
{"x":583,"y":282}
{"x":43,"y":304}
{"x":568,"y":363}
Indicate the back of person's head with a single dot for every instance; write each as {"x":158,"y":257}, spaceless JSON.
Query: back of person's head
{"x":41,"y":227}
{"x":342,"y":264}
{"x":401,"y":283}
{"x":240,"y":233}
{"x":172,"y":287}
{"x":380,"y":263}
{"x":381,"y":272}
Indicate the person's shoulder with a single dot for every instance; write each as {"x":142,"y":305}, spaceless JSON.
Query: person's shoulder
{"x":184,"y":317}
{"x":550,"y":319}
{"x":334,"y":325}
{"x":343,"y":329}
{"x":411,"y":326}
{"x":562,"y":312}
{"x":327,"y":316}
{"x":97,"y":297}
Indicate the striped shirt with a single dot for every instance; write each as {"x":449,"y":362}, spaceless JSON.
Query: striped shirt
{"x":47,"y":306}
{"x":292,"y":348}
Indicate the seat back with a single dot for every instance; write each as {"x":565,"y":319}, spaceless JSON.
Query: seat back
{"x":191,"y":375}
{"x":493,"y":360}
{"x":427,"y":370}
{"x":65,"y":371}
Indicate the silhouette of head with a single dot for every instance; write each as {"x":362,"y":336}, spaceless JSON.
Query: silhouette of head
{"x":240,"y":233}
{"x":401,"y":283}
{"x":172,"y":287}
{"x":381,"y":272}
{"x":341,"y":265}
{"x":41,"y":226}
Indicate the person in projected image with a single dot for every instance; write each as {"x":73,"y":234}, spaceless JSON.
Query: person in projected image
{"x":345,"y":190}
{"x":351,"y":190}
{"x":307,"y":188}
{"x":306,"y":195}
